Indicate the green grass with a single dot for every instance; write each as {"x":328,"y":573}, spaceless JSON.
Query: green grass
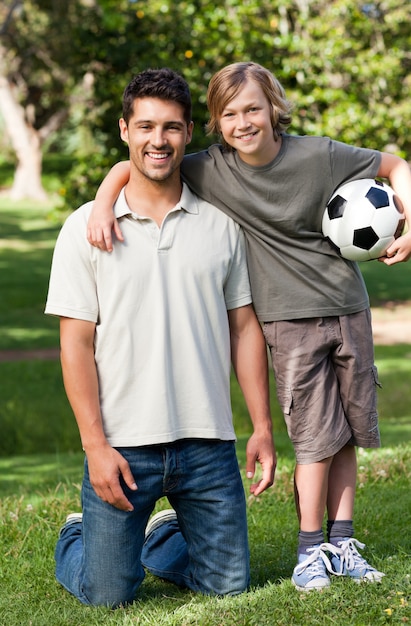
{"x":387,"y":284}
{"x":41,"y":469}
{"x":39,"y":491}
{"x":27,"y":238}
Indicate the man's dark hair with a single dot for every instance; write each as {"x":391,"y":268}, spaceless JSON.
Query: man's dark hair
{"x":164,"y":84}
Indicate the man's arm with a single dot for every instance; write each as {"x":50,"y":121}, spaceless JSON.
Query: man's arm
{"x":106,"y":465}
{"x":249,"y":358}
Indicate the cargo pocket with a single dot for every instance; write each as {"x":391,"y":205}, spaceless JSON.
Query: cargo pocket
{"x":285,"y":398}
{"x":375,"y":375}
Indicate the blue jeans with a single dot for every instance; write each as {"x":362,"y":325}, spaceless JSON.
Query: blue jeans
{"x":100,"y":560}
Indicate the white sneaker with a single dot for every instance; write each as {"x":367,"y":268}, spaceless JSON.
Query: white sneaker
{"x":74,"y":517}
{"x":160,"y":518}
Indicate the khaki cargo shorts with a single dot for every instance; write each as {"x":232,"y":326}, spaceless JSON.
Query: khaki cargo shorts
{"x":326,"y":383}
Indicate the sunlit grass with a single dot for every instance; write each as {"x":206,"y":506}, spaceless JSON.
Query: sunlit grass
{"x":30,"y":521}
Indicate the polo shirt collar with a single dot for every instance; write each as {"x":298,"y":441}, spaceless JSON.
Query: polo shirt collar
{"x":188,"y":202}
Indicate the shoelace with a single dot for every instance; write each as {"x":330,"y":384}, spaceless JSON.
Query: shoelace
{"x":351,"y":557}
{"x":313,"y":560}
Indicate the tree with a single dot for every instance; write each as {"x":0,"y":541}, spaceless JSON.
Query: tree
{"x":41,"y":78}
{"x":346,"y":65}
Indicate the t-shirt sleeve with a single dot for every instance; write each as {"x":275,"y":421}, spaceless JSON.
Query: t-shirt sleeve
{"x":197,"y":171}
{"x":237,"y":291}
{"x":351,"y":163}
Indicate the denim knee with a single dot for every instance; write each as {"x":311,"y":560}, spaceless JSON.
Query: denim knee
{"x":93,"y":584}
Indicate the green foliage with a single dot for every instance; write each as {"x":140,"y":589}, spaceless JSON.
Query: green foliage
{"x":345,"y":65}
{"x":44,"y":60}
{"x":82,"y":182}
{"x":346,"y":71}
{"x":352,"y":72}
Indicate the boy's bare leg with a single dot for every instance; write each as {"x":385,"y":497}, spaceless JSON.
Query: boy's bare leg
{"x":341,"y":484}
{"x":340,"y":528}
{"x":311,"y":489}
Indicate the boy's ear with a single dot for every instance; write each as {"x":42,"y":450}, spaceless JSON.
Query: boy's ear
{"x":190,"y":127}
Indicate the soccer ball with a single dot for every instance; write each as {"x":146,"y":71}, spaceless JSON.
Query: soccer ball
{"x":362,"y":219}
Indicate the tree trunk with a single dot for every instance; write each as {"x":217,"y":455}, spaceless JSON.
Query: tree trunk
{"x":26,"y":143}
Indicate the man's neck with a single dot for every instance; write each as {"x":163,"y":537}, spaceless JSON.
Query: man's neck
{"x":153,"y":199}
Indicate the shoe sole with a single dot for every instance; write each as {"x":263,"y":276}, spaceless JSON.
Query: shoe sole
{"x":364,"y":579}
{"x":308,"y":589}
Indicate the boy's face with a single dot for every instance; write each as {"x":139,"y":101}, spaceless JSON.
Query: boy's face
{"x":157,"y":135}
{"x":245,"y":124}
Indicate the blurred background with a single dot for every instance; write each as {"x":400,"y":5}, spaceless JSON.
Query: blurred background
{"x":345,"y":65}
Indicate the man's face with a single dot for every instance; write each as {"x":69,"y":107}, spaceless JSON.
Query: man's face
{"x":157,"y":135}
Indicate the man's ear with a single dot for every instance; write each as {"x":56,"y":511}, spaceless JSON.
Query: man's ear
{"x":123,"y":130}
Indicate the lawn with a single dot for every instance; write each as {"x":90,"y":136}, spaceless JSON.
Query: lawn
{"x":41,"y":467}
{"x":43,"y":488}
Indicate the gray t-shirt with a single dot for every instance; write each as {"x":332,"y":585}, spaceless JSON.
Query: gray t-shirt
{"x":294,"y":271}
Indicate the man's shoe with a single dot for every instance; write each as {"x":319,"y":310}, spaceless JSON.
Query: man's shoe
{"x":350,"y":563}
{"x":160,"y":518}
{"x":311,"y":570}
{"x":74,"y":517}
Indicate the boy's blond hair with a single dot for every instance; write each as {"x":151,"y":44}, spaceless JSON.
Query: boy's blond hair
{"x":226,"y":84}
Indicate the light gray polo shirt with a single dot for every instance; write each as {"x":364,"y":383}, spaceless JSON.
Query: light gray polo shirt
{"x":159,"y":301}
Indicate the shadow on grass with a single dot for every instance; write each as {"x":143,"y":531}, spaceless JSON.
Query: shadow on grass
{"x":26,"y":248}
{"x":27,"y":222}
{"x":25,"y":475}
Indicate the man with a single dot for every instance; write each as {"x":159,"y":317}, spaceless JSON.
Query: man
{"x":146,"y":337}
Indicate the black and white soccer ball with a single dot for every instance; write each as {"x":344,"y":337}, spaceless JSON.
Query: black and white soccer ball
{"x":362,"y":219}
